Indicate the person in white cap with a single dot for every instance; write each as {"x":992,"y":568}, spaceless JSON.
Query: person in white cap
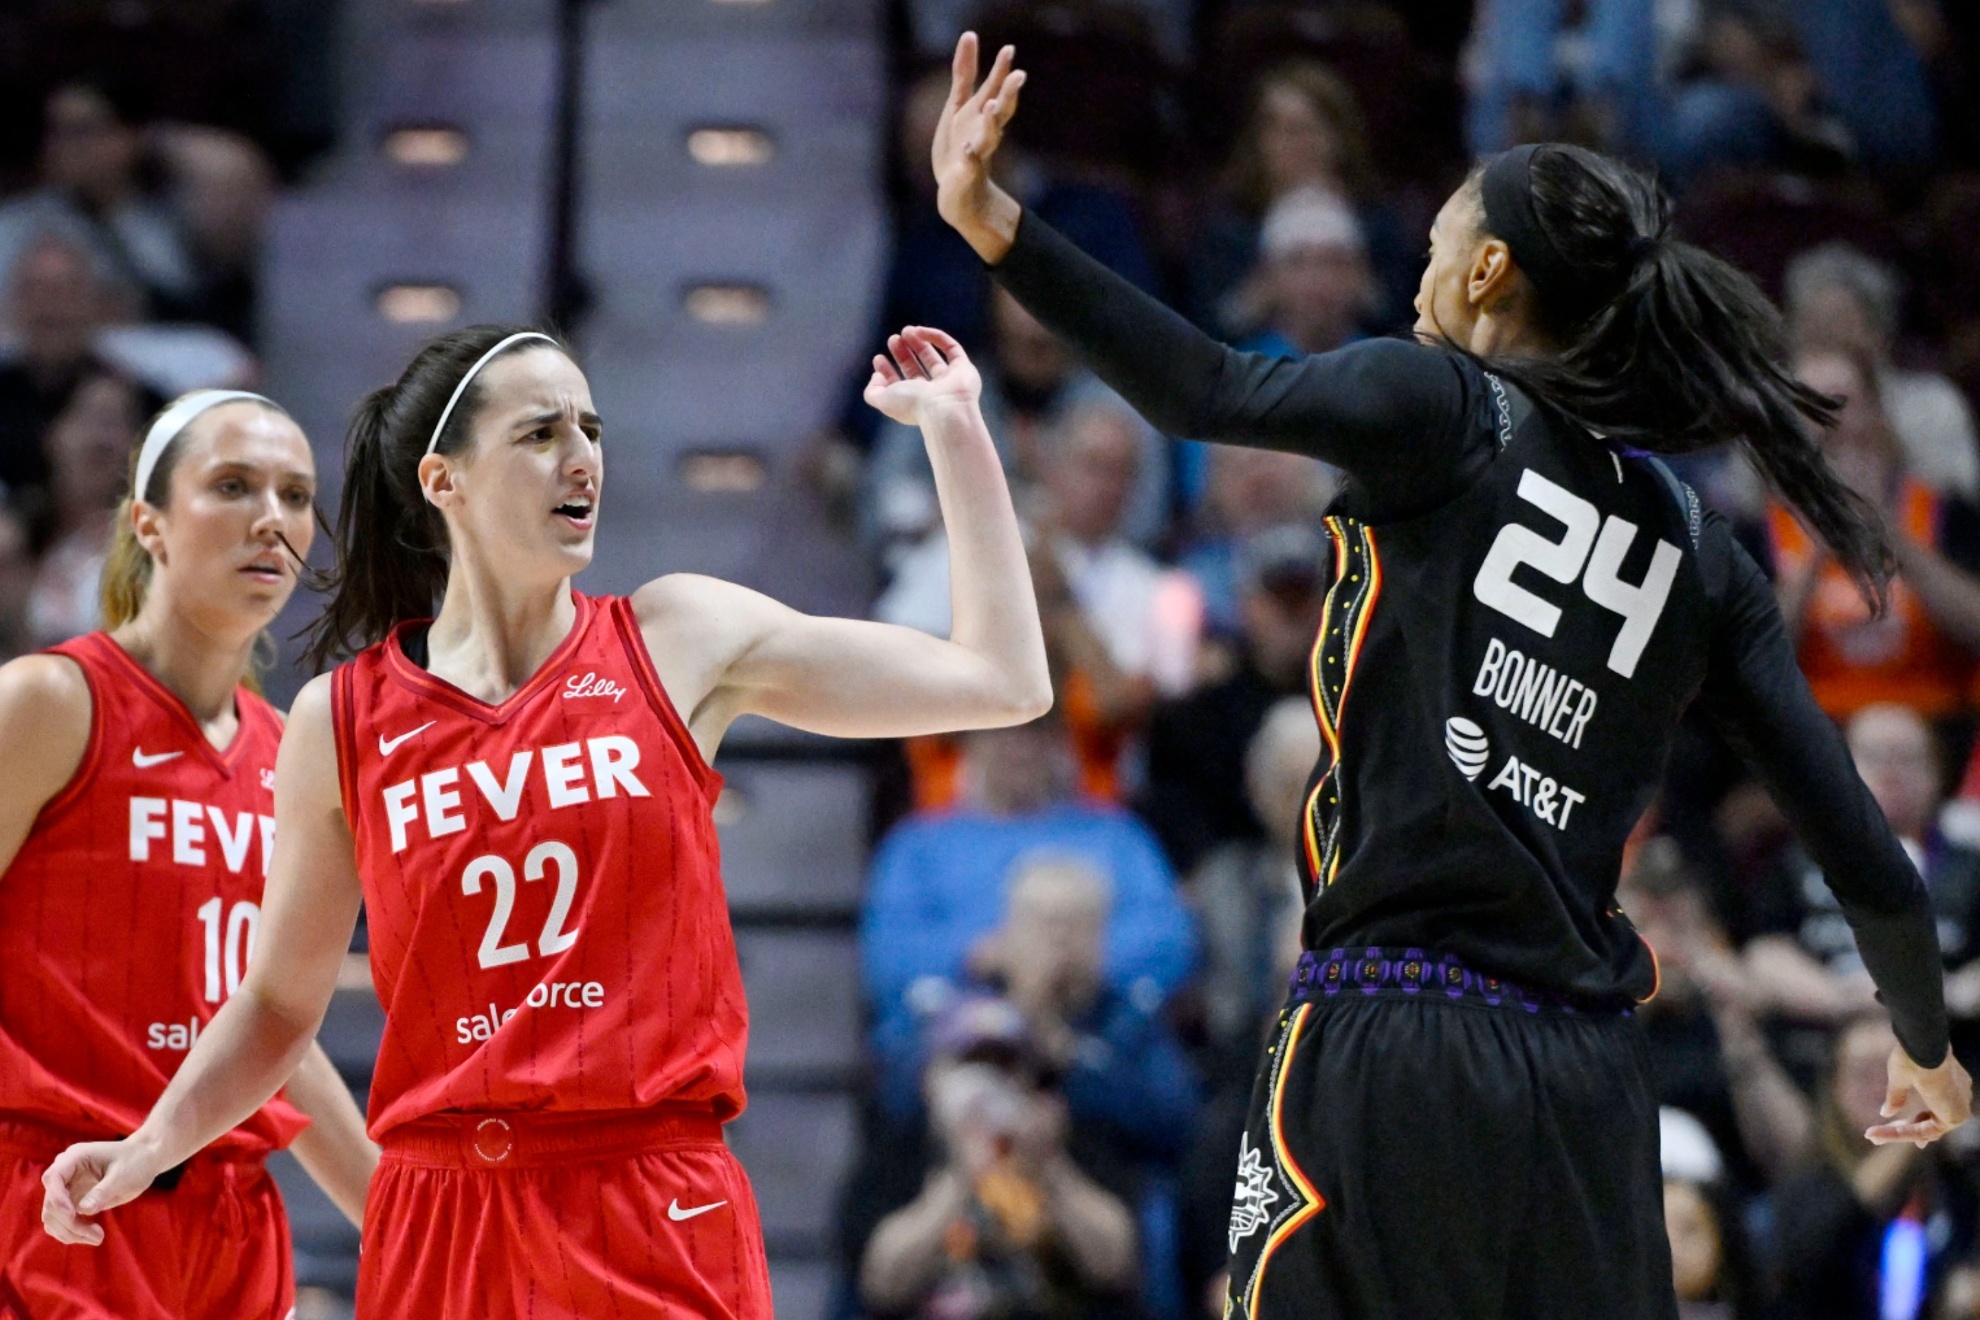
{"x":1313,"y":288}
{"x":136,"y":819}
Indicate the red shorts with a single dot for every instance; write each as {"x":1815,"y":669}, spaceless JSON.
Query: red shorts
{"x":556,"y":1215}
{"x":214,"y":1247}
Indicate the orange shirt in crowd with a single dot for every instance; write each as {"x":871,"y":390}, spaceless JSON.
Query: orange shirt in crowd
{"x":1853,"y":659}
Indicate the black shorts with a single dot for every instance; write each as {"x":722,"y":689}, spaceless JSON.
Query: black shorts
{"x":1425,"y":1143}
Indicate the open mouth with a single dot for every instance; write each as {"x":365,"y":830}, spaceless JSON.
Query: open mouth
{"x":260,"y":572}
{"x":577,"y":510}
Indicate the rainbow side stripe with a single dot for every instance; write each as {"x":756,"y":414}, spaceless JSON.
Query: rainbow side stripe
{"x":1311,"y":1202}
{"x":1350,"y":603}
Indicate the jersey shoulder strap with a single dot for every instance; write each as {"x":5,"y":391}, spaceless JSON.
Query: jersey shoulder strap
{"x":1682,"y":495}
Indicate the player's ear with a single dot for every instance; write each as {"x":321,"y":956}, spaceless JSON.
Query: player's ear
{"x":147,"y":527}
{"x":436,"y":479}
{"x":1491,"y":273}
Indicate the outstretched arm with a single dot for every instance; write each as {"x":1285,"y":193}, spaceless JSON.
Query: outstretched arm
{"x":1756,"y":696}
{"x":1393,"y":413}
{"x":333,"y":1149}
{"x":724,"y":650}
{"x":262,"y":1032}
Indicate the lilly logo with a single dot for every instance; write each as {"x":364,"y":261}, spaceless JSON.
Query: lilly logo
{"x":1468,"y":746}
{"x":591,"y":685}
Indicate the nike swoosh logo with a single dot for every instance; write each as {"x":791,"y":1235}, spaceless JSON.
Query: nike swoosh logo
{"x":142,"y":762}
{"x":675,"y":1213}
{"x":386,"y":746}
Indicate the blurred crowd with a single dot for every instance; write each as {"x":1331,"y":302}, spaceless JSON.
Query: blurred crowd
{"x":141,"y":145}
{"x":1076,"y":932}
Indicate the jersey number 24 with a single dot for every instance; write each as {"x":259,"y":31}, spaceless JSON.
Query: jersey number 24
{"x":1640,"y":605}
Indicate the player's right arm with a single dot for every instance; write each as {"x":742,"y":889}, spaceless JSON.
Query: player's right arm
{"x":44,"y":716}
{"x":1757,"y":698}
{"x":1394,"y":413}
{"x":261,"y":1033}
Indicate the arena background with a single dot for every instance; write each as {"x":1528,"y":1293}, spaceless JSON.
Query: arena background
{"x":726,"y":204}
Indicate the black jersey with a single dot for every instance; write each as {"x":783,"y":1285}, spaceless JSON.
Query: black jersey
{"x":1518,"y":616}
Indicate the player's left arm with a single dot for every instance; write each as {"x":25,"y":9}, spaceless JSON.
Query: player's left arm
{"x":333,"y":1149}
{"x":725,"y":650}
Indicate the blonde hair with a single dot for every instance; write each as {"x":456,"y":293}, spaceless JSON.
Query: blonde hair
{"x":127,"y":568}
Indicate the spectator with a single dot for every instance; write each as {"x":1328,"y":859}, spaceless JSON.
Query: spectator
{"x":1120,"y":630}
{"x":91,"y":193}
{"x":1007,"y":1224}
{"x":1710,"y":1265}
{"x":941,"y":880}
{"x":223,"y":187}
{"x":1312,"y":291}
{"x":1196,"y":747}
{"x":1030,"y":387}
{"x":1852,"y":657}
{"x":1707,"y":1053}
{"x":1531,"y":82}
{"x":1800,"y":942}
{"x":1839,"y":298}
{"x":56,"y":305}
{"x":16,"y":580}
{"x":1123,"y":1075}
{"x":1248,"y":492}
{"x":1305,"y":129}
{"x":1246,"y":893}
{"x":90,"y":445}
{"x":1863,"y":1230}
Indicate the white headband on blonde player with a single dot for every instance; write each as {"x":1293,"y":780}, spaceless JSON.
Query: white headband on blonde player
{"x":175,"y":420}
{"x":472,"y":372}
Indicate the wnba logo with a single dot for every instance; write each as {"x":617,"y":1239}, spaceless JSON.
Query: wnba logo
{"x":1468,"y":746}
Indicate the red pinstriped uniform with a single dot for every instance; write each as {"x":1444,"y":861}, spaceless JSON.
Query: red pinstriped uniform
{"x":126,"y":919}
{"x":565,"y":1022}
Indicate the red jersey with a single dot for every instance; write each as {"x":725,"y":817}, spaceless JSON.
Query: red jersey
{"x":128,"y":914}
{"x":542,"y":883}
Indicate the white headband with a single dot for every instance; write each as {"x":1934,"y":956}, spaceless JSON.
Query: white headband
{"x":176,"y":419}
{"x":472,"y":372}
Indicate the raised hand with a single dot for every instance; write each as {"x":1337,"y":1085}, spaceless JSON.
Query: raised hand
{"x":87,"y":1179}
{"x":966,"y":138}
{"x":928,"y":371}
{"x":1923,"y":1104}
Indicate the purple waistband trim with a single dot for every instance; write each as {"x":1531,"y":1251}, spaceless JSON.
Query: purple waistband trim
{"x":1325,"y":974}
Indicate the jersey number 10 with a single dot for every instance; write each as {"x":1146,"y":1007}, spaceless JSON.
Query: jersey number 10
{"x":1640,"y":605}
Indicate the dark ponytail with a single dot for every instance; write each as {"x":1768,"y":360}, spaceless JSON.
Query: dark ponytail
{"x":391,"y":544}
{"x":1665,"y":347}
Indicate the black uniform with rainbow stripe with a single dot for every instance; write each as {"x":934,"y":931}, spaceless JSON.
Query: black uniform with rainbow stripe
{"x":1453,"y":1117}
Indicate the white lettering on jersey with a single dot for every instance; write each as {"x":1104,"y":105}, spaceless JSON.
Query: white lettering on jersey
{"x":1639,"y":605}
{"x":505,"y":798}
{"x":571,"y":774}
{"x":234,"y":844}
{"x":546,"y":994}
{"x":1541,"y":794}
{"x":176,"y":1036}
{"x":442,"y":802}
{"x":591,"y":685}
{"x":563,"y":775}
{"x":188,"y":833}
{"x":184,"y":825}
{"x":1536,"y":692}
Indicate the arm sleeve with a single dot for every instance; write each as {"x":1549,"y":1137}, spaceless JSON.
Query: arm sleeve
{"x":1395,"y":414}
{"x":1756,"y":696}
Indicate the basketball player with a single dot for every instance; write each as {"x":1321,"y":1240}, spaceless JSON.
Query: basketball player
{"x":136,"y":812}
{"x":1453,"y":1117}
{"x":523,"y":784}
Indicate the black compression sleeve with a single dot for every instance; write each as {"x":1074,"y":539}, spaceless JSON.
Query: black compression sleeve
{"x":1396,"y":415}
{"x":1755,"y":694}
